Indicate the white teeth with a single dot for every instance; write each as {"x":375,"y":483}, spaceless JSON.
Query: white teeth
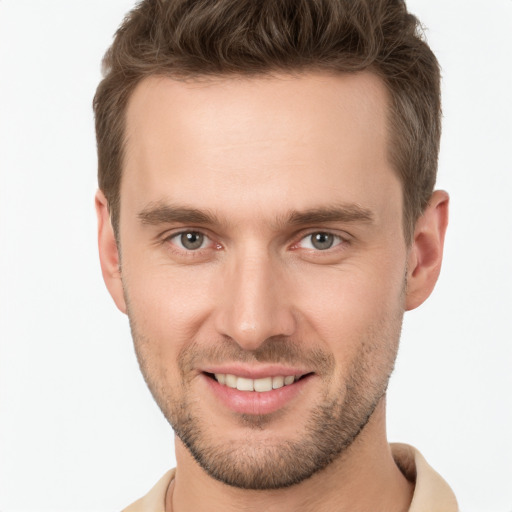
{"x":231,"y":381}
{"x":263,"y":384}
{"x":278,"y":382}
{"x":244,"y":384}
{"x":258,"y":385}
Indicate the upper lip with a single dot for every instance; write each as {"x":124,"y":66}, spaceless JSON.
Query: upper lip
{"x":256,"y":372}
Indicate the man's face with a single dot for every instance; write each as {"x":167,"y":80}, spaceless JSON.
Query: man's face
{"x":261,"y":240}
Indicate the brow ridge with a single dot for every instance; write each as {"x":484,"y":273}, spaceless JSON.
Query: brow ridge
{"x":163,"y":213}
{"x":160,"y":213}
{"x":341,"y":213}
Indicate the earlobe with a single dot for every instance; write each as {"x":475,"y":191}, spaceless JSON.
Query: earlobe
{"x":426,"y":251}
{"x":109,"y":253}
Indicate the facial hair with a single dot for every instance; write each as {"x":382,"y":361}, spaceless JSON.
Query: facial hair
{"x":260,"y":463}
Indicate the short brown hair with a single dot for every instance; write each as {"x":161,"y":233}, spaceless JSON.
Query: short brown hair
{"x":201,"y":38}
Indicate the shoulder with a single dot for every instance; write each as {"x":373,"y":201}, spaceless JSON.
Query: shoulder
{"x":431,"y":492}
{"x":154,"y":500}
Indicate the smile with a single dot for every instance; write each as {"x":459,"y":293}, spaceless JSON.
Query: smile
{"x":262,"y":394}
{"x":261,"y":385}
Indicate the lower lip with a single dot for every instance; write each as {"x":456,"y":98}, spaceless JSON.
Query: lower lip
{"x":254,"y":402}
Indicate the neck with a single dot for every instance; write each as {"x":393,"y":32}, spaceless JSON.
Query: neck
{"x":364,"y":478}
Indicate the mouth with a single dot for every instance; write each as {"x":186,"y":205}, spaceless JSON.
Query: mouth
{"x":260,"y":385}
{"x":260,"y":393}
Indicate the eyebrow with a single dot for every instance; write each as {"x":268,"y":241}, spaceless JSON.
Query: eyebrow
{"x":341,"y":213}
{"x":159,"y":213}
{"x":163,"y":213}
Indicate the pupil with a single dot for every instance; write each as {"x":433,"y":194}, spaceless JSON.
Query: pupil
{"x":192,"y":240}
{"x":322,"y":241}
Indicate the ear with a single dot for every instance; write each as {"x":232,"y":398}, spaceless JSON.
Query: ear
{"x":109,"y":253}
{"x":426,"y":251}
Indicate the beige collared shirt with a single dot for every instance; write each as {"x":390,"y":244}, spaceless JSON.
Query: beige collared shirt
{"x":431,"y":492}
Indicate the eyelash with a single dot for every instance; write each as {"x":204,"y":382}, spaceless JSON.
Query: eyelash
{"x":183,"y":250}
{"x":338,"y":240}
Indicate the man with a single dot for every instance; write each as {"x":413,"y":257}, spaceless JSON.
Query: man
{"x":266,"y":215}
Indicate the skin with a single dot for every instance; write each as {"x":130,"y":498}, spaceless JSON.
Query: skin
{"x":254,"y":154}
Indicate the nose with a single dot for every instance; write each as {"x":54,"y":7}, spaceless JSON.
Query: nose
{"x":254,"y":305}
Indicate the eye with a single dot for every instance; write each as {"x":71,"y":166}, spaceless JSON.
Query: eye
{"x":320,"y":241}
{"x":190,"y":240}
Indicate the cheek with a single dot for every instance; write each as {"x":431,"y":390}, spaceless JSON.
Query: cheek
{"x":349,"y":306}
{"x":168,"y":306}
{"x":165,"y":314}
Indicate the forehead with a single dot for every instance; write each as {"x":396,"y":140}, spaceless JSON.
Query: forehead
{"x":262,"y":107}
{"x":273,"y":139}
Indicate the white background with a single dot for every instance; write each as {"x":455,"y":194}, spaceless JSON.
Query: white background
{"x":78,"y":429}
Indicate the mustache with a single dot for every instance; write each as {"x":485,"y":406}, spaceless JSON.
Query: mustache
{"x":275,"y":350}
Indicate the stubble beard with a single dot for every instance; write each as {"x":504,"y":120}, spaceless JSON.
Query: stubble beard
{"x":263,"y":464}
